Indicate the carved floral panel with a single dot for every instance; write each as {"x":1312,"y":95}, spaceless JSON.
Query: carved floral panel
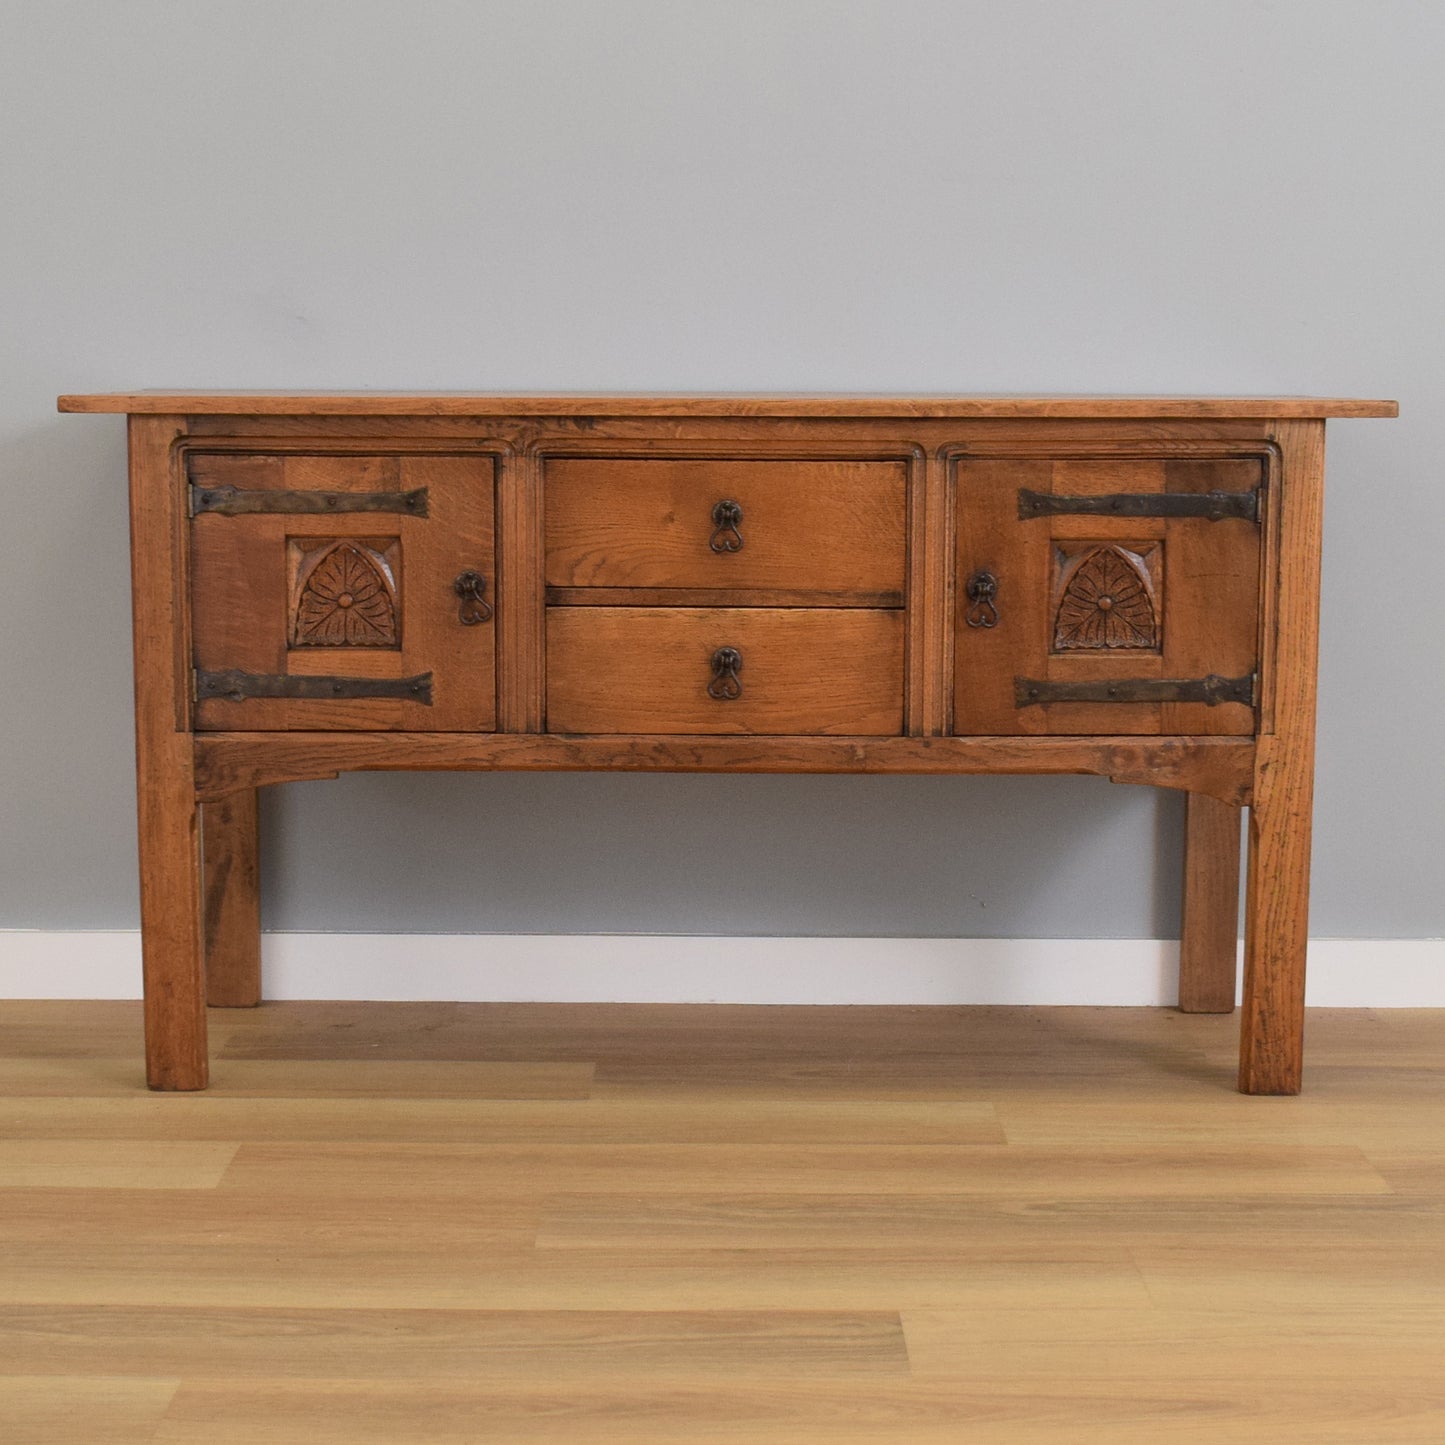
{"x":1106,"y":597}
{"x":344,"y":592}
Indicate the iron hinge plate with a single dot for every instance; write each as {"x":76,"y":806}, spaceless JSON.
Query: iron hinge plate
{"x":233,"y":685}
{"x":241,"y":501}
{"x":1211,"y":690}
{"x":1211,"y":506}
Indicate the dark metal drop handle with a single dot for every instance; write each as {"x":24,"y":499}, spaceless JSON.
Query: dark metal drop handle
{"x":727,"y":662}
{"x":727,"y":517}
{"x":471,"y":587}
{"x":982,"y":588}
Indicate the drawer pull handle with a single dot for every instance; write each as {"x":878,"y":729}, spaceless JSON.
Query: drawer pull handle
{"x":727,"y":517}
{"x":471,"y":587}
{"x":982,"y":588}
{"x":727,"y":662}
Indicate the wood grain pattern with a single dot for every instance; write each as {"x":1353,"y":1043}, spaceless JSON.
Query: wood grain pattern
{"x":1121,"y":1408}
{"x":1276,"y":926}
{"x":649,"y":669}
{"x":246,"y":578}
{"x":232,"y":900}
{"x":1210,"y":932}
{"x":1194,"y":583}
{"x":1221,"y":767}
{"x":51,"y":1409}
{"x":716,"y":597}
{"x":1213,"y":583}
{"x":116,"y":1163}
{"x":823,"y":524}
{"x":1129,"y":1254}
{"x":930,"y":588}
{"x":520,"y":618}
{"x":442,"y":404}
{"x":511,"y":1122}
{"x":461,"y":1344}
{"x":173,"y":945}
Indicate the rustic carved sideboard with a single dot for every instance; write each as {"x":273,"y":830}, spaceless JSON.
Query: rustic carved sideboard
{"x":1108,"y":585}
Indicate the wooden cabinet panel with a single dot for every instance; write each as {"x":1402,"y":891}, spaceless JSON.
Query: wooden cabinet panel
{"x":665,"y":670}
{"x":1111,"y":579}
{"x":804,"y":525}
{"x":342,"y":568}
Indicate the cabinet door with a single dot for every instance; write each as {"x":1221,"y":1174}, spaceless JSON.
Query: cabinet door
{"x":1100,"y":596}
{"x":346,"y":592}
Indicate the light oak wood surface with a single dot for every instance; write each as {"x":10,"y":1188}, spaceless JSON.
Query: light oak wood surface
{"x":635,"y":670}
{"x":445,"y":1222}
{"x":231,"y":900}
{"x":1209,"y":935}
{"x":805,"y":524}
{"x":771,"y":404}
{"x":1276,"y":915}
{"x":167,"y":809}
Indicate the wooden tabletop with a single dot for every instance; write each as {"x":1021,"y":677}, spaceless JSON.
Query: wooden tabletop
{"x":738,"y":404}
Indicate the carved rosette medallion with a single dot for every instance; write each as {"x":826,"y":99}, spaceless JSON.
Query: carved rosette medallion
{"x":1107,"y":601}
{"x":344,"y":596}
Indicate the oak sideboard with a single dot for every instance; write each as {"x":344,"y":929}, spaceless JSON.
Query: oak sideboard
{"x":1122,"y":586}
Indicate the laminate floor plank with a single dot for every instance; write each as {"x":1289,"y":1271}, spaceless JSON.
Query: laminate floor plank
{"x":1298,"y":1277}
{"x":980,"y":1170}
{"x":906,"y":1224}
{"x":308,"y":1079}
{"x":110,"y":1163}
{"x":546,"y":1123}
{"x":105,"y":1224}
{"x":866,"y":1412}
{"x":452,"y":1344}
{"x":1224,"y":1342}
{"x":420,"y":1276}
{"x":1292,"y":1123}
{"x":1419,"y":1173}
{"x":77,"y":1409}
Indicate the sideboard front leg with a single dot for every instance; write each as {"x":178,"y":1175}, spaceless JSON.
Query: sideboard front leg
{"x":1276,"y":929}
{"x":172,"y":942}
{"x":1210,"y":935}
{"x":1277,"y":892}
{"x":232,"y":901}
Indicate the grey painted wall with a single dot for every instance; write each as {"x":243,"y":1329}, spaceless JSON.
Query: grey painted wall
{"x":1130,"y":195}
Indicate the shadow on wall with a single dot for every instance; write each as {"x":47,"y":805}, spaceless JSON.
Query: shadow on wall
{"x":725,"y":854}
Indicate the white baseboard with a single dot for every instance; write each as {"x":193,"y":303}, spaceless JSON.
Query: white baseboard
{"x":651,"y":968}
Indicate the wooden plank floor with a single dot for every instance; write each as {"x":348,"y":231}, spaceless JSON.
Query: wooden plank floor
{"x":442,"y":1223}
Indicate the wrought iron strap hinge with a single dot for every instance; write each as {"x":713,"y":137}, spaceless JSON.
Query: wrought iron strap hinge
{"x":236,"y":501}
{"x":1211,"y":690}
{"x":236,"y":686}
{"x":1211,"y":506}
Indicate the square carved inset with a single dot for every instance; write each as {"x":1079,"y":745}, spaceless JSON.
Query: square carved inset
{"x":1107,"y":596}
{"x":344,"y":591}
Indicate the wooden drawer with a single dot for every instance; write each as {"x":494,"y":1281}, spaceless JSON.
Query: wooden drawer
{"x":661,"y":670}
{"x":804,"y":524}
{"x":324,"y":592}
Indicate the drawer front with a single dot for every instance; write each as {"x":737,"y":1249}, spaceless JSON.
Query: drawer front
{"x":325,"y":592}
{"x":1105,"y":596}
{"x":808,"y":525}
{"x":724,"y":670}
